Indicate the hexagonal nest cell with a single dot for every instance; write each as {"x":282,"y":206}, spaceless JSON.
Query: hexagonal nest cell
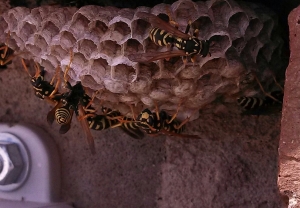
{"x":103,"y":38}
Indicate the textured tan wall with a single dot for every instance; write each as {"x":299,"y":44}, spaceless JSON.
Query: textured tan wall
{"x":289,"y":141}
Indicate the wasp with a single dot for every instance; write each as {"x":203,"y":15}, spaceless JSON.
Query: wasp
{"x":272,"y":102}
{"x":157,"y":122}
{"x":163,"y":34}
{"x":43,"y":89}
{"x":110,"y":119}
{"x":154,"y":122}
{"x":68,"y":103}
{"x":6,"y":56}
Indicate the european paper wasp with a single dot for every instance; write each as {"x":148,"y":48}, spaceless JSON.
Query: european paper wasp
{"x":157,"y":122}
{"x":163,"y":34}
{"x":110,"y":119}
{"x":43,"y":89}
{"x":272,"y":102}
{"x":66,"y":104}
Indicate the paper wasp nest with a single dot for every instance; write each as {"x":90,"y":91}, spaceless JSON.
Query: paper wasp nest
{"x":243,"y":35}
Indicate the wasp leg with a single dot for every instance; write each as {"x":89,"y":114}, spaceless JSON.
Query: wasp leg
{"x":182,"y":123}
{"x":57,"y":82}
{"x":122,"y":120}
{"x":86,"y":116}
{"x":68,"y":67}
{"x":25,"y":67}
{"x":175,"y":114}
{"x":92,"y":99}
{"x":171,"y":21}
{"x":193,"y":59}
{"x":7,"y":60}
{"x":37,"y":69}
{"x":185,"y":60}
{"x":274,"y":78}
{"x":56,"y":75}
{"x":115,"y":118}
{"x":262,"y":89}
{"x":116,"y":125}
{"x":5,"y":48}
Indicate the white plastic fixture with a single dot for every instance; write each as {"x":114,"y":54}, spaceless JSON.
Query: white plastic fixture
{"x":40,"y":178}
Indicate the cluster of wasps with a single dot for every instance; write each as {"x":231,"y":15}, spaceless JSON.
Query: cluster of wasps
{"x":76,"y":100}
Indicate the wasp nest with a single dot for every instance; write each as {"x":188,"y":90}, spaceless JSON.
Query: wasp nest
{"x":101,"y":38}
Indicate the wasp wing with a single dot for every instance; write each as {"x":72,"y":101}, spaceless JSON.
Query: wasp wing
{"x":85,"y":126}
{"x":157,"y":22}
{"x":153,"y":56}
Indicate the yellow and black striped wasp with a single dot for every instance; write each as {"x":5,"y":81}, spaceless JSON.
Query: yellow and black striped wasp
{"x":157,"y":122}
{"x":272,"y":102}
{"x":111,"y":119}
{"x":43,"y":89}
{"x":67,"y":104}
{"x":163,"y":34}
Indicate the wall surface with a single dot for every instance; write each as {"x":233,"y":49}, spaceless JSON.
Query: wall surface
{"x":233,"y":165}
{"x":289,"y":141}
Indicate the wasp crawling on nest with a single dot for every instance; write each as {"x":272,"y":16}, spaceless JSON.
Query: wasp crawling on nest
{"x":43,"y":89}
{"x":110,"y":119}
{"x":67,"y":104}
{"x":163,"y":34}
{"x":75,"y":100}
{"x":159,"y":122}
{"x":271,"y":103}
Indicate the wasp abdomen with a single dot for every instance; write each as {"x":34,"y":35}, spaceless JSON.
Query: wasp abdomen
{"x":249,"y":103}
{"x":161,"y":37}
{"x":63,"y":115}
